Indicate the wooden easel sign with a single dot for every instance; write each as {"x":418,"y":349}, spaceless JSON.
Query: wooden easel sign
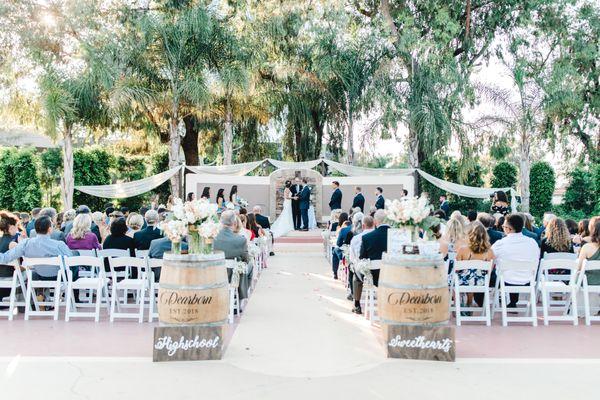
{"x":421,"y":342}
{"x":188,"y":343}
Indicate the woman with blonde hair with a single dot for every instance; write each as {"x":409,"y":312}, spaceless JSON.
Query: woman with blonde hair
{"x":557,"y":238}
{"x":100,"y":221}
{"x":81,"y":236}
{"x":135,"y":222}
{"x":453,"y":238}
{"x":478,"y":248}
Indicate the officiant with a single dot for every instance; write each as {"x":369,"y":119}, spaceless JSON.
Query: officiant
{"x":336,"y":197}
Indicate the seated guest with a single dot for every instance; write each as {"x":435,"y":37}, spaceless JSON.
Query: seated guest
{"x":31,"y":223}
{"x":334,"y":220}
{"x":583,"y":232}
{"x":488,"y":222}
{"x":134,"y":222}
{"x":356,"y":242}
{"x":357,"y":229}
{"x":337,"y":253}
{"x":498,"y":225}
{"x":591,"y":251}
{"x":205,"y":193}
{"x":243,"y":230}
{"x":82,"y":209}
{"x":254,"y":226}
{"x":341,"y":221}
{"x":515,"y":247}
{"x":39,"y":247}
{"x":234,"y":246}
{"x":548,"y":216}
{"x":373,"y":245}
{"x":453,"y":239}
{"x":118,"y":238}
{"x":100,"y":221}
{"x":142,"y":211}
{"x":8,"y":228}
{"x":261,"y":219}
{"x":572,"y":227}
{"x":125,"y":211}
{"x":53,"y":215}
{"x":144,"y":237}
{"x":472,"y":216}
{"x":528,"y":229}
{"x":81,"y":236}
{"x":478,"y":248}
{"x":557,"y":238}
{"x":68,"y":221}
{"x":159,"y":246}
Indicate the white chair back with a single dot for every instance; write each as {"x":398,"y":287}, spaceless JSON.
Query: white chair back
{"x":105,"y":253}
{"x":86,"y":253}
{"x":546,"y":265}
{"x":590,"y":265}
{"x":473,"y":264}
{"x":128,"y":262}
{"x":559,"y":256}
{"x":96,"y":264}
{"x":141,"y":253}
{"x":514,"y":265}
{"x":42,"y":261}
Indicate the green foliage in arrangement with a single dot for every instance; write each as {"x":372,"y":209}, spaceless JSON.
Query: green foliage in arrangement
{"x":20,"y":188}
{"x":542,"y":181}
{"x":580,"y":195}
{"x":504,"y":175}
{"x":472,"y":178}
{"x":91,"y":167}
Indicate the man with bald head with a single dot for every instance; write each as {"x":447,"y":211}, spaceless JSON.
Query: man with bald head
{"x":233,"y":245}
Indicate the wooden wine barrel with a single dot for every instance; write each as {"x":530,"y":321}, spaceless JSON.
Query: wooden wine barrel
{"x":413,"y":290}
{"x":193,"y":290}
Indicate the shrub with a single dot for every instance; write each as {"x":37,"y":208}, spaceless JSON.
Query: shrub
{"x":20,"y":188}
{"x":580,"y":195}
{"x":504,"y":175}
{"x":433,"y":167}
{"x":541,"y":188}
{"x":91,"y":167}
{"x":131,"y":168}
{"x":160,"y":163}
{"x":6,"y":179}
{"x":473,"y":178}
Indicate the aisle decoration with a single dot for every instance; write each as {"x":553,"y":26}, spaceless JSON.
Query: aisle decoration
{"x":198,"y":220}
{"x":241,"y":268}
{"x":407,"y":217}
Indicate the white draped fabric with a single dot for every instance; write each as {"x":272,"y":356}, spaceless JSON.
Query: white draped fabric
{"x":129,"y":189}
{"x":294,"y":165}
{"x":351,"y":170}
{"x":462,"y":190}
{"x":234,"y":169}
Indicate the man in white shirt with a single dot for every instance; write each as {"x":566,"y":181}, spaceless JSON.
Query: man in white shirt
{"x":368,"y":226}
{"x":515,"y":247}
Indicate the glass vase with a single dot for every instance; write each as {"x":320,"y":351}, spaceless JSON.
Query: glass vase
{"x":196,"y":243}
{"x":176,"y":247}
{"x":414,"y":234}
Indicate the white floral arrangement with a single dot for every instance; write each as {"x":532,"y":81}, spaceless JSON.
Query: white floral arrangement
{"x":209,"y":229}
{"x":239,"y":269}
{"x":243,"y":202}
{"x":230,"y":206}
{"x":363,"y":267}
{"x":253,"y":250}
{"x":410,"y":212}
{"x":174,"y":229}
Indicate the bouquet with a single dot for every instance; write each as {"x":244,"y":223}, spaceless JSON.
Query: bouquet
{"x":174,"y":230}
{"x":412,"y":212}
{"x":200,"y":219}
{"x":243,"y":202}
{"x":239,"y":269}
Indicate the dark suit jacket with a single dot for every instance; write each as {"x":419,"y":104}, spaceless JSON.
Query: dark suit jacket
{"x":341,"y":239}
{"x":144,"y":237}
{"x":359,"y":201}
{"x":336,"y":200}
{"x":119,"y":242}
{"x":263,"y":221}
{"x":374,"y":243}
{"x":445,"y":207}
{"x":296,"y":203}
{"x":304,"y":198}
{"x":494,"y":235}
{"x":380,"y":203}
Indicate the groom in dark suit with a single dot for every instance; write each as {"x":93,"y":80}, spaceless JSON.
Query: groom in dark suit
{"x":296,"y":189}
{"x":359,"y":200}
{"x":304,"y":204}
{"x":336,"y":197}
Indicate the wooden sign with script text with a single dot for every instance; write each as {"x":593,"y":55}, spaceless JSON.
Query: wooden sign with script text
{"x":188,"y":343}
{"x":420,"y":342}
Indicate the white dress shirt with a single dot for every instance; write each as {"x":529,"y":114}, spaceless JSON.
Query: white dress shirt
{"x":355,"y":244}
{"x":516,"y":247}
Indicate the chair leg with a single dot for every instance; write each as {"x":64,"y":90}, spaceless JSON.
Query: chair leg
{"x":151,"y":302}
{"x":457,"y":304}
{"x":113,"y":300}
{"x":486,"y":308}
{"x":544,"y":294}
{"x":586,"y":306}
{"x":140,"y":294}
{"x":533,"y":303}
{"x":503,"y":304}
{"x":574,"y":307}
{"x":68,"y":307}
{"x":98,"y":302}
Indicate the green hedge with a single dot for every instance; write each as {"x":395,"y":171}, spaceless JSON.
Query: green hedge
{"x":504,"y":174}
{"x":580,"y":194}
{"x":541,"y":188}
{"x":129,"y":169}
{"x":20,"y":187}
{"x":473,"y":178}
{"x":160,"y":163}
{"x":433,"y":167}
{"x":91,"y":167}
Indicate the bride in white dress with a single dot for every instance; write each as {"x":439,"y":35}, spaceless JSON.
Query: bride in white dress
{"x":285,"y":222}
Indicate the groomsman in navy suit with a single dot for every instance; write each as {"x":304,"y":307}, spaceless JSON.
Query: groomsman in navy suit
{"x":336,"y":197}
{"x":359,"y":200}
{"x":304,"y":204}
{"x":380,"y":202}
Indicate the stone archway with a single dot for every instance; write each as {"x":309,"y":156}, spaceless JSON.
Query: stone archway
{"x":277,"y":182}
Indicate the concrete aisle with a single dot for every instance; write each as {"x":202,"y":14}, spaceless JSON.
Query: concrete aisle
{"x":298,"y":323}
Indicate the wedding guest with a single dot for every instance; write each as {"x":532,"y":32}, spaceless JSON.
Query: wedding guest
{"x":40,"y":246}
{"x":528,"y":229}
{"x":142,"y":211}
{"x":52,"y":214}
{"x":100,"y":221}
{"x":453,"y":239}
{"x":238,"y":226}
{"x":205,"y":193}
{"x":441,"y":215}
{"x":125,"y":211}
{"x":60,"y":218}
{"x":583,"y":233}
{"x":31,"y":223}
{"x":361,"y":224}
{"x":220,"y":200}
{"x":170,"y":202}
{"x":557,"y":238}
{"x":69,"y":217}
{"x":500,"y":203}
{"x":261,"y":219}
{"x":118,"y":238}
{"x":157,"y":249}
{"x":8,"y":228}
{"x":244,"y":231}
{"x":135,"y":222}
{"x":82,"y":209}
{"x":572,"y":227}
{"x":253,"y":226}
{"x":380,"y":201}
{"x":515,"y":247}
{"x":144,"y":237}
{"x":548,"y":216}
{"x":472,"y":216}
{"x":23,"y":221}
{"x":337,"y":253}
{"x":81,"y":236}
{"x":591,"y":251}
{"x":499,"y":218}
{"x":233,"y":197}
{"x":444,"y":204}
{"x":488,"y":222}
{"x":359,"y":199}
{"x":478,"y":248}
{"x":341,"y":220}
{"x":373,"y":245}
{"x":191,"y":196}
{"x":234,"y":246}
{"x":335,"y":202}
{"x":334,"y":220}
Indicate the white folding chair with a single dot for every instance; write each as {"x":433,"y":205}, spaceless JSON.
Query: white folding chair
{"x":555,"y":277}
{"x":141,"y":253}
{"x":138,"y":285}
{"x":234,"y":297}
{"x":85,"y":273}
{"x":552,"y":284}
{"x":17,"y":281}
{"x":153,"y":264}
{"x":589,"y":310}
{"x":97,"y":282}
{"x":485,"y":310}
{"x":528,"y":268}
{"x":56,"y":285}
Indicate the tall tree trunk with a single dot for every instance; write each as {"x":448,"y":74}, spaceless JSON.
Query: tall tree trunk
{"x":174,"y":145}
{"x":228,"y":133}
{"x":524,"y":168}
{"x":67,"y":181}
{"x":319,"y":128}
{"x":189,"y":143}
{"x":350,"y":131}
{"x":298,"y":140}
